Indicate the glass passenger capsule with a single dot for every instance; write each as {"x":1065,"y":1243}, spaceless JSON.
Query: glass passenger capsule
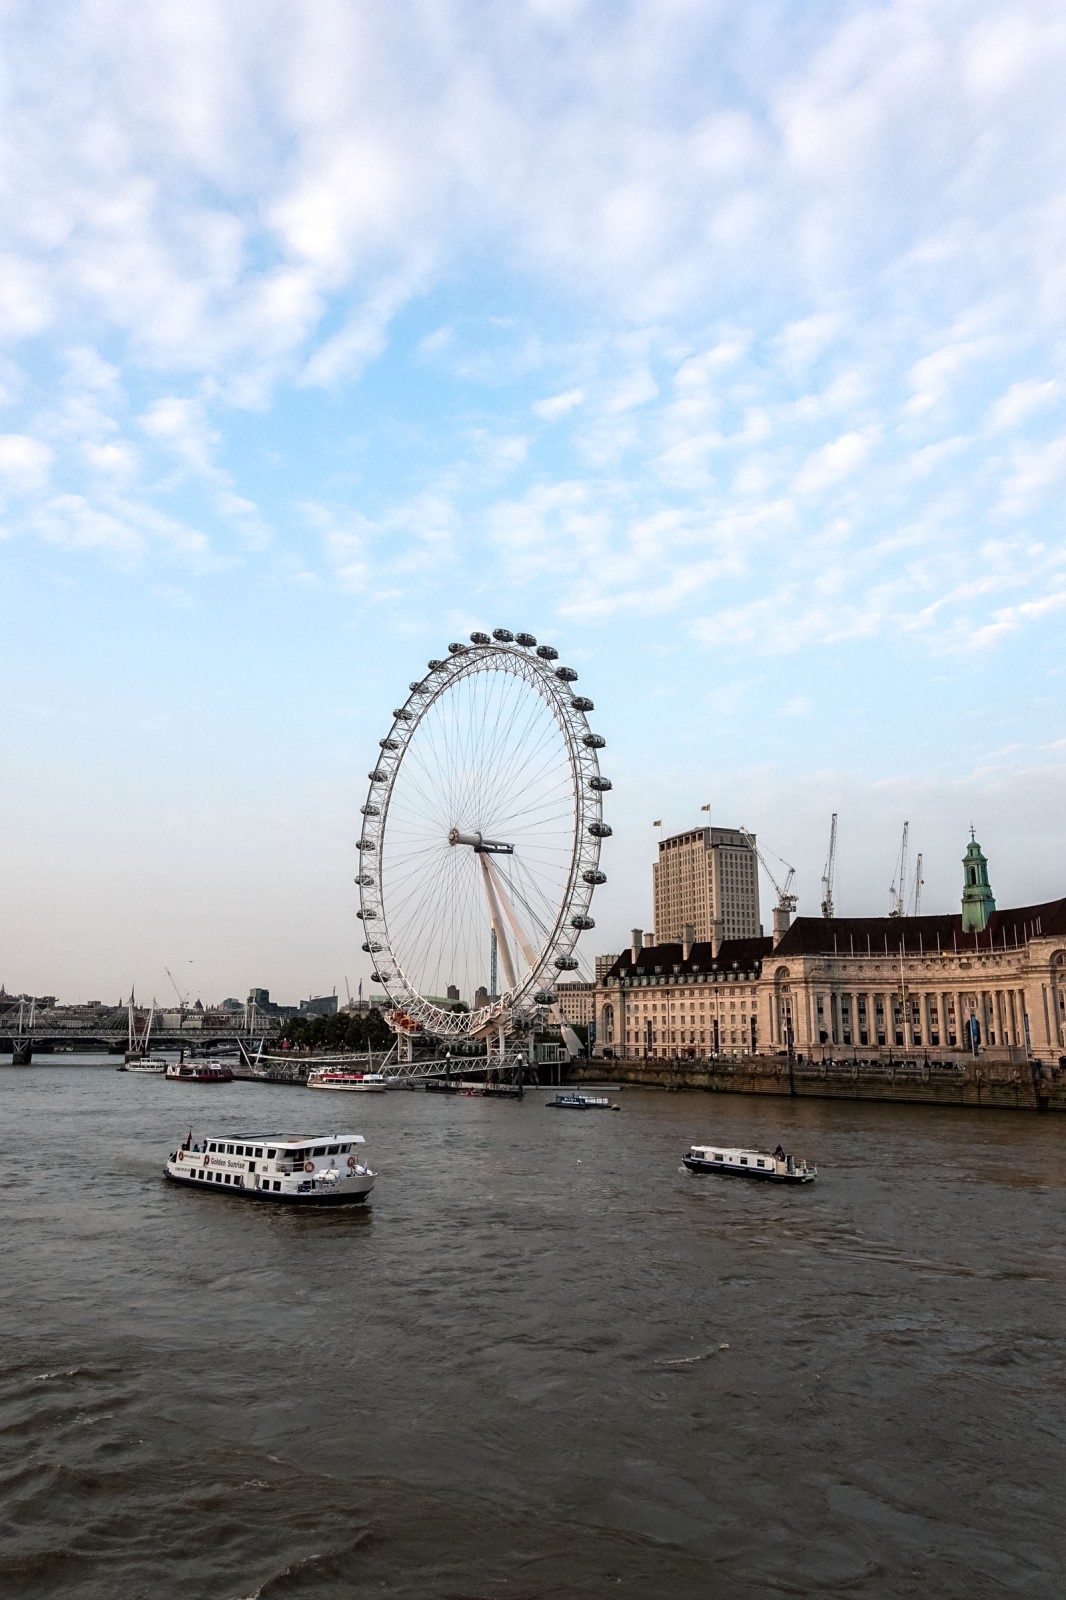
{"x":526,"y":640}
{"x":503,"y":635}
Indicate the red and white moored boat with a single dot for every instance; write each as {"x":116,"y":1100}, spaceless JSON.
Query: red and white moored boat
{"x":197,"y":1072}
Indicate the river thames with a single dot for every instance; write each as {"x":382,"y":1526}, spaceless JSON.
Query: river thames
{"x":546,"y":1361}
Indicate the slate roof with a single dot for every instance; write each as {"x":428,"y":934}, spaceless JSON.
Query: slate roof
{"x":860,"y":936}
{"x":744,"y":955}
{"x":846,"y":936}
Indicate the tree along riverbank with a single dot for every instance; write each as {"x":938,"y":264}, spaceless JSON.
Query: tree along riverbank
{"x":344,"y":1030}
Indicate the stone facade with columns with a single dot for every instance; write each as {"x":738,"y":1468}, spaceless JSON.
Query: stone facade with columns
{"x":860,"y":987}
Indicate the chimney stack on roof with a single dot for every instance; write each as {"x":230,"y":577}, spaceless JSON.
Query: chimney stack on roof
{"x":649,"y":941}
{"x":635,"y":947}
{"x":688,"y":939}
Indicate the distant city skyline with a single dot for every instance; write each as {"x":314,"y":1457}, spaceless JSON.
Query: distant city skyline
{"x":723,"y":349}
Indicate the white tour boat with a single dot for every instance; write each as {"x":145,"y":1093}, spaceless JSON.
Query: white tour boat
{"x":772,"y":1165}
{"x":146,"y":1066}
{"x":301,"y":1170}
{"x":345,"y":1078}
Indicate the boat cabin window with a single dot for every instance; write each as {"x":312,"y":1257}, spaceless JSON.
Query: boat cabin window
{"x":319,"y":1150}
{"x":212,"y":1145}
{"x":332,"y":1150}
{"x":717,"y":1157}
{"x":743,"y":1161}
{"x":760,"y":1163}
{"x":258,"y":1154}
{"x":271,"y":1155}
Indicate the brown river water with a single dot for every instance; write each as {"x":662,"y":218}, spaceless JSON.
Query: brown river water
{"x":546,"y":1361}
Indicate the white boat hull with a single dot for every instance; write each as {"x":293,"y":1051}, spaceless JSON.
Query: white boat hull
{"x":351,"y":1088}
{"x":350,"y":1191}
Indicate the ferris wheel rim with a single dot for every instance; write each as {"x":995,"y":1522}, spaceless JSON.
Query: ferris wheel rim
{"x":555,"y":956}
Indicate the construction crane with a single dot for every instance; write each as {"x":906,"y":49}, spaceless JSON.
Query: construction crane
{"x":918,"y":881}
{"x":897,"y":894}
{"x":183,"y":999}
{"x":786,"y":900}
{"x":829,"y":870}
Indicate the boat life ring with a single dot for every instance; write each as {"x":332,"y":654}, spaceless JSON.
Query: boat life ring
{"x":181,"y":1155}
{"x":351,"y":1163}
{"x":309,"y":1166}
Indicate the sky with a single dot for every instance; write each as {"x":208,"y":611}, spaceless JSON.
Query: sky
{"x":720,"y":346}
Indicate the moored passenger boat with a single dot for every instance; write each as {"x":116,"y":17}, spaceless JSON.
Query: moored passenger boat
{"x":344,"y":1078}
{"x":323,"y":1170}
{"x":146,"y":1066}
{"x":581,"y":1102}
{"x":772,"y":1165}
{"x":197,"y":1072}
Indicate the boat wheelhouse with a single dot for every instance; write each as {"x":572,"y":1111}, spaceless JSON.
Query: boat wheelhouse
{"x":344,"y":1078}
{"x":772,"y":1165}
{"x":197,"y":1072}
{"x":297,"y":1169}
{"x":581,"y":1102}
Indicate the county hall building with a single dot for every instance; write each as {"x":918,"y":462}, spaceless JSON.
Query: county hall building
{"x":978,"y":982}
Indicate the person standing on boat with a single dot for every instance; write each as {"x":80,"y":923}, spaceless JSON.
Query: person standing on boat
{"x":779,"y":1154}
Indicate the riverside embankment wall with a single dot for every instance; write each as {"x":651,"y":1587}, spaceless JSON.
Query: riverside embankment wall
{"x":993,"y":1087}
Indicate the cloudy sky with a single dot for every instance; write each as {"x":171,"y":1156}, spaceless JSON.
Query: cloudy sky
{"x":721,"y":346}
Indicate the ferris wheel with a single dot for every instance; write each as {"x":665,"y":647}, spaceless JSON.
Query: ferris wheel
{"x":480,"y":844}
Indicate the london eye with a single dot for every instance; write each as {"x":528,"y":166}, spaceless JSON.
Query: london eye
{"x":480,"y":846}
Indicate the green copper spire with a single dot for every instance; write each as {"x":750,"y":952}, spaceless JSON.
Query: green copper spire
{"x":978,"y":902}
